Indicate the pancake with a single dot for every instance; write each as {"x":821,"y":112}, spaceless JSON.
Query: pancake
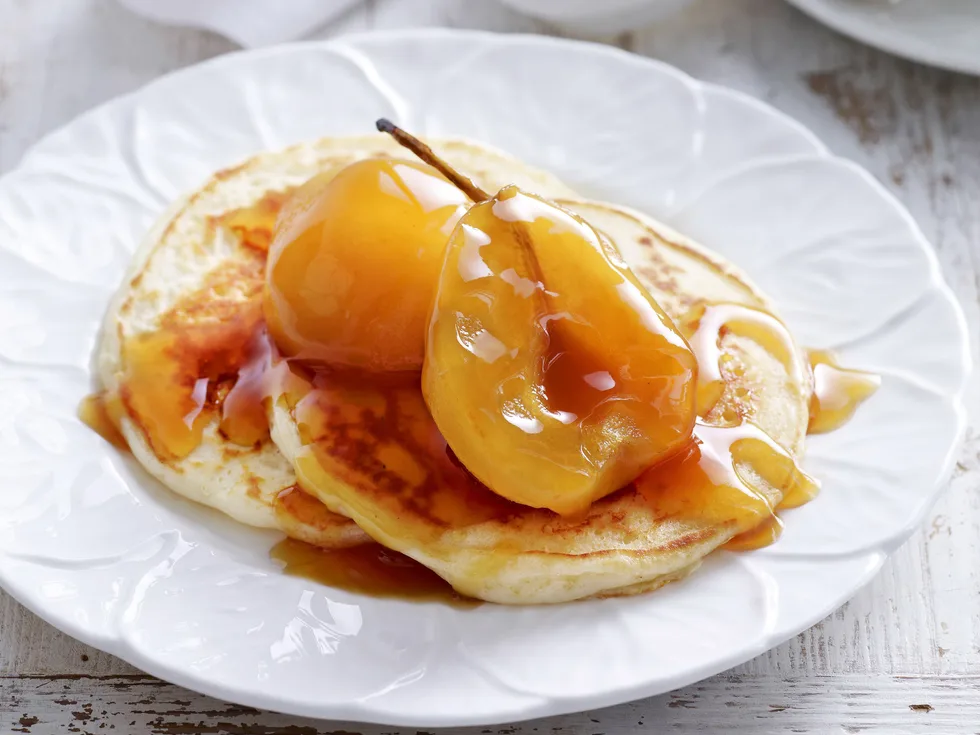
{"x":373,"y":453}
{"x":191,"y":298}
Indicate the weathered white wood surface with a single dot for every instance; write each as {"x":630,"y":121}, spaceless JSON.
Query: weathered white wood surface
{"x":902,"y":657}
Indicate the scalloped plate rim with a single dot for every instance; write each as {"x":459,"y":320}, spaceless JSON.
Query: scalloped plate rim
{"x":119,"y":645}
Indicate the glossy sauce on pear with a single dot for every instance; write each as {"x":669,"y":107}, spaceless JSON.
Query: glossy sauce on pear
{"x":354,"y":263}
{"x":546,"y":350}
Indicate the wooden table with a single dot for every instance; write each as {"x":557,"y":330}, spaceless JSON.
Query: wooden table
{"x":902,"y":657}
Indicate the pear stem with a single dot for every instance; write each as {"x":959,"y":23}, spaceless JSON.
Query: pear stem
{"x":426,"y":155}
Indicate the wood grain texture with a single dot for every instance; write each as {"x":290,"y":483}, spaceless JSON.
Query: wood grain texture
{"x":845,"y":704}
{"x":911,"y":638}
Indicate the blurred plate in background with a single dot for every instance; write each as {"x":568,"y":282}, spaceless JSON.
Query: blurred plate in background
{"x":249,"y":23}
{"x":942,"y":33}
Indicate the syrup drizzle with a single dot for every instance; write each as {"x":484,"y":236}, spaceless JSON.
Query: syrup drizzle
{"x":369,"y":569}
{"x":723,"y":479}
{"x":711,"y":322}
{"x":101,"y":415}
{"x":837,"y":392}
{"x":836,"y":396}
{"x":765,"y":534}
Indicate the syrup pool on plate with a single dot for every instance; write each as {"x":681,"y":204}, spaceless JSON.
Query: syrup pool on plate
{"x":837,"y":392}
{"x":368,"y":569}
{"x":101,"y":414}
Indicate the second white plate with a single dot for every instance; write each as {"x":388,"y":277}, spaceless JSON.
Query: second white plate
{"x":943,"y":33}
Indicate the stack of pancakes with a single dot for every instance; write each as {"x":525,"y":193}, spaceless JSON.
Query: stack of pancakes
{"x":204,"y":264}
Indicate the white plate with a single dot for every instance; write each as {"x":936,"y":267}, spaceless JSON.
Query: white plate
{"x":95,"y":548}
{"x":942,"y":33}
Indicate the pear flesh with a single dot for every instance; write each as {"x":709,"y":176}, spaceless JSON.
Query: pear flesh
{"x":554,"y":376}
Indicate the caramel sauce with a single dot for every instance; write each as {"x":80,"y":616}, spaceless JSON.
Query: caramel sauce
{"x":262,"y":376}
{"x":376,"y":433}
{"x":720,"y":486}
{"x":554,"y":375}
{"x":255,"y":225}
{"x":176,"y":378}
{"x":354,"y":264}
{"x":798,"y":495}
{"x":210,"y":354}
{"x":837,"y":392}
{"x":101,"y":414}
{"x":369,"y":569}
{"x":765,"y":534}
{"x":716,"y":480}
{"x":707,"y":324}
